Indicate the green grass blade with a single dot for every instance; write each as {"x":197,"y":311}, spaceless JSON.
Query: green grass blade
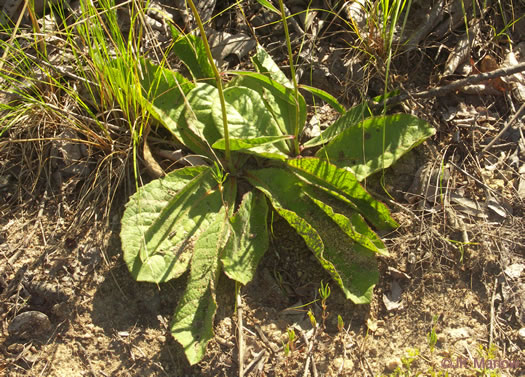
{"x":268,"y":5}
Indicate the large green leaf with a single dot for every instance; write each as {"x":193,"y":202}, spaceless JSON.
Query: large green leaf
{"x":166,"y":92}
{"x":349,"y":119}
{"x":343,"y":185}
{"x":265,"y":64}
{"x":162,"y":220}
{"x":249,"y":239}
{"x":325,"y":96}
{"x":258,"y":81}
{"x":192,"y":324}
{"x":248,"y":143}
{"x":375,"y":143}
{"x":202,"y":102}
{"x":287,"y":110}
{"x":352,"y":266}
{"x":190,"y":49}
{"x":248,"y":118}
{"x":353,"y":225}
{"x":278,"y":99}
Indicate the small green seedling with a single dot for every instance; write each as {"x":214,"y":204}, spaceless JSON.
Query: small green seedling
{"x":324,"y":292}
{"x":311,"y":315}
{"x":289,"y":347}
{"x":340,"y":323}
{"x":432,"y":336}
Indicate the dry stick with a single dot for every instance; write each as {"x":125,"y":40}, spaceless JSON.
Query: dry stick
{"x":152,"y":166}
{"x":239,"y":332}
{"x":309,"y":354}
{"x":307,"y":363}
{"x":432,"y":20}
{"x":255,"y":360}
{"x":442,"y":90}
{"x":510,"y":123}
{"x":272,"y":347}
{"x":491,"y":331}
{"x":10,"y":41}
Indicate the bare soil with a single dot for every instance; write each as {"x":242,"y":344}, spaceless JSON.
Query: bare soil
{"x":456,"y":268}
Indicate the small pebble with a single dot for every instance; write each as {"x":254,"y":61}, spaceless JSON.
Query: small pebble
{"x":227,"y":322}
{"x":61,"y":310}
{"x":393,"y":363}
{"x":521,"y":334}
{"x":29,"y":325}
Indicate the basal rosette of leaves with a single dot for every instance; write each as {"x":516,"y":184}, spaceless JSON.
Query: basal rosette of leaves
{"x":197,"y":220}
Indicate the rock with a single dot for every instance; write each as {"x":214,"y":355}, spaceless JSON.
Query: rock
{"x":514,"y":270}
{"x":342,"y":364}
{"x":29,"y":325}
{"x":393,"y":363}
{"x":15,"y":348}
{"x":458,"y":334}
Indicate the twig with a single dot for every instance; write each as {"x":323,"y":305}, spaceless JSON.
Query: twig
{"x":491,"y":331}
{"x":475,"y":179}
{"x":240,"y":340}
{"x":443,"y":90}
{"x":310,"y":351}
{"x":152,"y":166}
{"x":434,"y":18}
{"x":309,"y":348}
{"x":510,"y":123}
{"x":256,"y":359}
{"x":59,"y":69}
{"x":272,"y":347}
{"x":368,"y":366}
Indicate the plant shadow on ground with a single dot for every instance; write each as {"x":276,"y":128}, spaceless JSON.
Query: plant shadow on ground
{"x":285,"y":287}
